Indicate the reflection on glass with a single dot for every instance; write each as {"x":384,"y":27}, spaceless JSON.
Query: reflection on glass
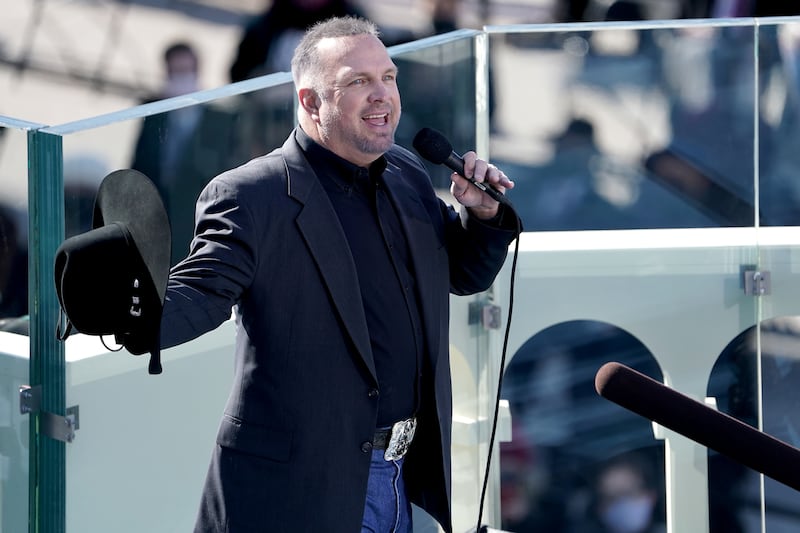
{"x":437,"y":86}
{"x":13,"y":229}
{"x":576,"y":462}
{"x":779,"y":73}
{"x":734,"y":490}
{"x":13,"y":265}
{"x":617,"y":128}
{"x":180,"y":150}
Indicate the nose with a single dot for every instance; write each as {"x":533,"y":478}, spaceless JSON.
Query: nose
{"x":379,"y":92}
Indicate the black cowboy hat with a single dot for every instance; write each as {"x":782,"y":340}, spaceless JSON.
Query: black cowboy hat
{"x":112,"y":280}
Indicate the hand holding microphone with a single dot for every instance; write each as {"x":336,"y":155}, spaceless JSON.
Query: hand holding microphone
{"x":486,"y":178}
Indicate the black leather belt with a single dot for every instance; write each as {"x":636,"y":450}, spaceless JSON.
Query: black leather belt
{"x":381,"y":438}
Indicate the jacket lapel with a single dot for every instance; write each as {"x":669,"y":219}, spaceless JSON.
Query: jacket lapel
{"x":423,"y":241}
{"x":320,"y":227}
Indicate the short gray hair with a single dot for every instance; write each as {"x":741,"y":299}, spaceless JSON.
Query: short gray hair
{"x":306,"y":60}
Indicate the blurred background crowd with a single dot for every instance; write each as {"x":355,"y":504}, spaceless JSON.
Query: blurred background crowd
{"x":623,"y":139}
{"x":66,"y":60}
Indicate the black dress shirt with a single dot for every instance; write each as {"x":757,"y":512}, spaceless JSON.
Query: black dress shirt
{"x":382,"y":260}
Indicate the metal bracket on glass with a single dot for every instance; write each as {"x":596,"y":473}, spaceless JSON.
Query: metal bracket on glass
{"x":757,"y":282}
{"x":487,"y":315}
{"x":56,"y":427}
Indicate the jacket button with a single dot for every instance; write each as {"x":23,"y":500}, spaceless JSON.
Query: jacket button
{"x":366,"y":446}
{"x":373,"y":393}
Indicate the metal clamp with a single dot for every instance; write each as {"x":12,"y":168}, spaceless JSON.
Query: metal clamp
{"x":757,"y":282}
{"x":57,"y":427}
{"x":486,"y":314}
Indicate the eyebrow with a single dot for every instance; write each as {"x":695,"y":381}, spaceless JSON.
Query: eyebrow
{"x":363,"y":73}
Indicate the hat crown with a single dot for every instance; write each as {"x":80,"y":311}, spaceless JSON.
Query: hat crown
{"x":113,"y":278}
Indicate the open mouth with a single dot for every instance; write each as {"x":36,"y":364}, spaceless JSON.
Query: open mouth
{"x":377,"y":119}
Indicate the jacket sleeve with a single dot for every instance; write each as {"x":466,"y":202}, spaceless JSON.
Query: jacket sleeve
{"x":204,"y":287}
{"x":476,"y":248}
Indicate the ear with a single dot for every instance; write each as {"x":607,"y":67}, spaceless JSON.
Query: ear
{"x":309,"y":101}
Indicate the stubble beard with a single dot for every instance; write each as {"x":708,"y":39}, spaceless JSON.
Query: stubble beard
{"x":332,"y":126}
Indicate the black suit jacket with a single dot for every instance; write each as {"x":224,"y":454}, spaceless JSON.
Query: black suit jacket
{"x":292,"y":450}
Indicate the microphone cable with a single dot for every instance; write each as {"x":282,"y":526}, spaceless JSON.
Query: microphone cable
{"x":434,"y":146}
{"x":501,"y":373}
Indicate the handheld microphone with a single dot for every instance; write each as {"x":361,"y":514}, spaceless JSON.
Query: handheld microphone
{"x":699,"y":422}
{"x":435,"y":147}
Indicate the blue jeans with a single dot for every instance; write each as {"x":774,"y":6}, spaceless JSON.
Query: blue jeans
{"x":387,"y":509}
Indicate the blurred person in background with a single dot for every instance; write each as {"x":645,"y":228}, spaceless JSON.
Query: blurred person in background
{"x":565,"y":193}
{"x":269,"y":40}
{"x":625,"y":498}
{"x":13,"y":271}
{"x":738,"y":8}
{"x":182,"y":149}
{"x":443,"y":15}
{"x":163,"y":138}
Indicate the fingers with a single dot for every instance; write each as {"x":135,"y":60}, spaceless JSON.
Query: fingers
{"x":482,"y":171}
{"x":460,"y":188}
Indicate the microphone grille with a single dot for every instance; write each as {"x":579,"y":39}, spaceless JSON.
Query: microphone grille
{"x":432,"y":145}
{"x":607,"y":377}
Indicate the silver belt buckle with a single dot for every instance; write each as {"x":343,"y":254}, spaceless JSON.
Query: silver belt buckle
{"x":402,"y":433}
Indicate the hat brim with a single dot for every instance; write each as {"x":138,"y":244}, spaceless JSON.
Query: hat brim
{"x":113,"y":278}
{"x":129,"y":197}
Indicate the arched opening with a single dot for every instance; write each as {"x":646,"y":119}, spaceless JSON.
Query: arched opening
{"x":568,"y":442}
{"x":735,"y":490}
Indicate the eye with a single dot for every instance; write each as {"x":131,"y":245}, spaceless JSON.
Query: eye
{"x":389,"y":77}
{"x":358,"y":81}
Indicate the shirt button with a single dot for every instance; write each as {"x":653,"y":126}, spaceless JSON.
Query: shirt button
{"x":366,"y":446}
{"x":373,"y":393}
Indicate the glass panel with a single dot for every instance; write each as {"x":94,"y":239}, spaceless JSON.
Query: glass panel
{"x":659,"y":301}
{"x":602,"y":127}
{"x":155,"y":431}
{"x":47,"y":365}
{"x":774,"y":346}
{"x":780,"y":403}
{"x":762,"y":392}
{"x":13,"y":228}
{"x":734,"y":490}
{"x":768,"y":380}
{"x":179,"y":149}
{"x":779,"y":107}
{"x":613,"y":127}
{"x":616,"y":128}
{"x":437,"y":87}
{"x":14,"y":343}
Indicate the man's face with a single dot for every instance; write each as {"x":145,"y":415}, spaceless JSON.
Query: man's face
{"x":181,"y":74}
{"x":359,"y":106}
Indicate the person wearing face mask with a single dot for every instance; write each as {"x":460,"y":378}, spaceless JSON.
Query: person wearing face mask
{"x":156,"y":159}
{"x":182,"y":149}
{"x":625,"y":498}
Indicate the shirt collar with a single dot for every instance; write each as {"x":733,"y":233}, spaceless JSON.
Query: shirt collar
{"x":344,"y":173}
